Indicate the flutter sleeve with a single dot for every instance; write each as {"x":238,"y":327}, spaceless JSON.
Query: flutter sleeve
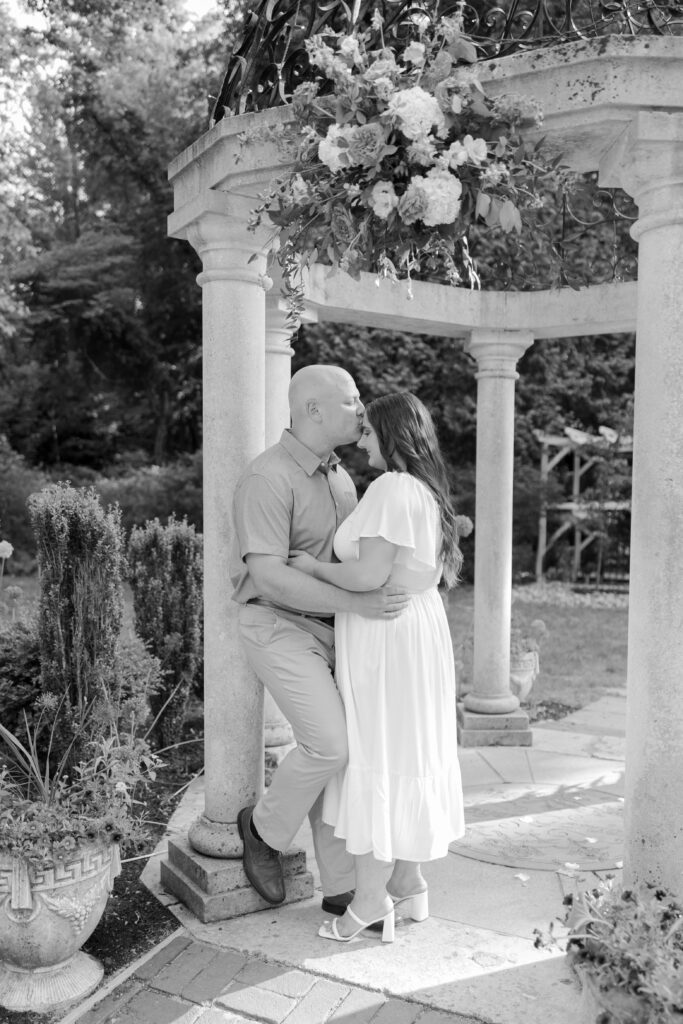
{"x":403,"y":511}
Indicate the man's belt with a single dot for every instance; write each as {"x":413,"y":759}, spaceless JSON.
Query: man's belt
{"x":327,"y":620}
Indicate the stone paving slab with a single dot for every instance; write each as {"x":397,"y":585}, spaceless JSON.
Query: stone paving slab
{"x":585,"y":838}
{"x":518,"y":800}
{"x":506,"y":901}
{"x":556,"y":741}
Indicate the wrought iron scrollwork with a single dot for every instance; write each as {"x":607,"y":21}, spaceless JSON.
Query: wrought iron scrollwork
{"x":271,"y":60}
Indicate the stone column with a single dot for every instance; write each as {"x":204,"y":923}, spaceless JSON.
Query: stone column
{"x":648,"y":163}
{"x":279,"y":352}
{"x":490,"y":713}
{"x":233,"y":331}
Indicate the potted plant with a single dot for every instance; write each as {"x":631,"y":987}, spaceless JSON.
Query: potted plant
{"x":70,"y":764}
{"x":62,"y":819}
{"x":525,"y":643}
{"x":626,"y":946}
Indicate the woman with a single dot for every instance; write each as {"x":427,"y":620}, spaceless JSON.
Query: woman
{"x":400,"y":798}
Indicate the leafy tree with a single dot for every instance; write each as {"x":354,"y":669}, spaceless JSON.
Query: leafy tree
{"x":91,"y":290}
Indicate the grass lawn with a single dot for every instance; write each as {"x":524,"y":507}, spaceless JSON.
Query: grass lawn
{"x":582,"y":658}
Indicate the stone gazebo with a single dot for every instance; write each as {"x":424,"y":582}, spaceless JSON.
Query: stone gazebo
{"x":612,"y":105}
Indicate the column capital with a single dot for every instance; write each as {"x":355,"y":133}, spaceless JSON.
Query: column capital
{"x":497,"y":351}
{"x":216,"y":224}
{"x":647,"y":162}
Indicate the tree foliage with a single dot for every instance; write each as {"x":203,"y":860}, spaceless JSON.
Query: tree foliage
{"x":100,"y":326}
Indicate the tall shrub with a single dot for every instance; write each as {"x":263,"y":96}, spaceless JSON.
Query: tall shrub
{"x":166,"y":578}
{"x":81,"y":562}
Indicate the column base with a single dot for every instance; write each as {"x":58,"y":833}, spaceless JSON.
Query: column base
{"x":476,"y":729}
{"x":215,"y":889}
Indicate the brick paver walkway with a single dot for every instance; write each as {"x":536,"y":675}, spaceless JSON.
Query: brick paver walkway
{"x":190,"y":982}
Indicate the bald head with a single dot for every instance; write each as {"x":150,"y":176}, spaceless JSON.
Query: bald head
{"x":325,"y":407}
{"x":313,"y":383}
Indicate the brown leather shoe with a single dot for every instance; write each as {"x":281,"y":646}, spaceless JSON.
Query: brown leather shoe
{"x":262,"y":864}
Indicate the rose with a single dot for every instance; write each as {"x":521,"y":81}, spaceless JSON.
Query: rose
{"x":457,"y":155}
{"x":476,"y":149}
{"x":383,"y":199}
{"x":416,"y":111}
{"x":413,"y":203}
{"x":366,"y":144}
{"x":6,"y":549}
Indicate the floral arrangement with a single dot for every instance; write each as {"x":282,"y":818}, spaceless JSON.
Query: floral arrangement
{"x":630,"y":941}
{"x":50,"y":804}
{"x":525,"y":638}
{"x":396,"y":157}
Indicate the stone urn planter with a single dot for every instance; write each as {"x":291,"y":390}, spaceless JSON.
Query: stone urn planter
{"x":46,"y":914}
{"x":524,"y":667}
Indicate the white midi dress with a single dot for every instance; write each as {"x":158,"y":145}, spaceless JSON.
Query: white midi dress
{"x":400,"y":795}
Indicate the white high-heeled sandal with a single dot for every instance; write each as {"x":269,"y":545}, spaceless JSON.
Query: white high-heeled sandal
{"x":328,"y":930}
{"x":417,"y":904}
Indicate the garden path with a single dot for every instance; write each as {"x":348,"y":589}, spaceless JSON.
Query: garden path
{"x":544,"y":821}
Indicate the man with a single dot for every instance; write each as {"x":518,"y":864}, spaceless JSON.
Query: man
{"x":292,"y":498}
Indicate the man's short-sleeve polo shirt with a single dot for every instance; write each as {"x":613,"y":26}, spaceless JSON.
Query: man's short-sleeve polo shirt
{"x":284,"y":503}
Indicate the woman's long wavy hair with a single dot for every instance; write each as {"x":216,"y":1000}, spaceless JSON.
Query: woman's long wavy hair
{"x":405,"y":428}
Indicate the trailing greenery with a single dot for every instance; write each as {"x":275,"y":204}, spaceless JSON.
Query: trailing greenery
{"x":166,"y":577}
{"x":81,"y":564}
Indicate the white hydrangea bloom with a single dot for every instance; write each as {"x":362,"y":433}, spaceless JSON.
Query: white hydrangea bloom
{"x":417,"y":111}
{"x":443,"y":191}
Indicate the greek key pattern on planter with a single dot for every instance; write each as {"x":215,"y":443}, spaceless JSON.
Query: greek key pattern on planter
{"x":22,"y":885}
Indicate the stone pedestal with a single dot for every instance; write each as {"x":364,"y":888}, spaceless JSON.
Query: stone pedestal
{"x":508,"y":729}
{"x":215,"y":889}
{"x":648,"y":163}
{"x":496,"y":352}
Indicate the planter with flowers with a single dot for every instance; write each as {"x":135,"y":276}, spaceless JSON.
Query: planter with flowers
{"x":397,"y":155}
{"x":60,"y":830}
{"x":70,"y":769}
{"x":626,"y":946}
{"x":525,"y":644}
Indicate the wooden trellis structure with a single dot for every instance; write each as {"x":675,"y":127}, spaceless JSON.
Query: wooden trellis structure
{"x":575,"y":515}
